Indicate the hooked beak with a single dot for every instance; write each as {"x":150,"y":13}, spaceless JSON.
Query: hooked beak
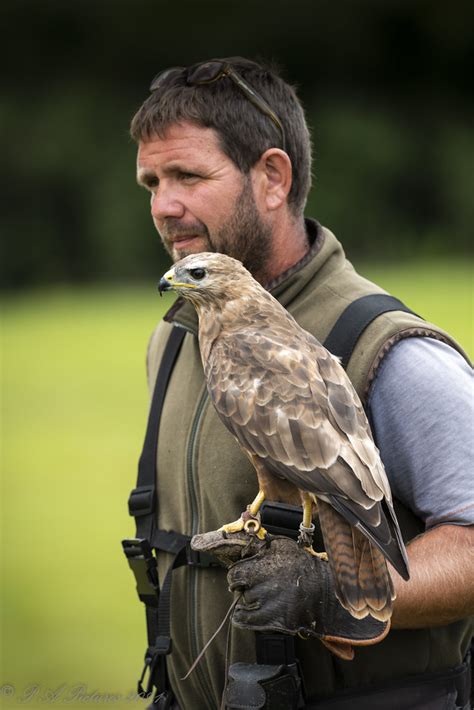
{"x":166,"y":282}
{"x":164,"y":285}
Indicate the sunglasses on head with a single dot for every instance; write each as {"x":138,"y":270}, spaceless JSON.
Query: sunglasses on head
{"x":209,"y":72}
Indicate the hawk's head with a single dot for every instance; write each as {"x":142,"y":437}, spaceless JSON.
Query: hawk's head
{"x":206,"y":277}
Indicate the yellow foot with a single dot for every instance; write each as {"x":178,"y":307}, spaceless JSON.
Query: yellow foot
{"x":321,"y":555}
{"x":250,"y":525}
{"x":236,"y":526}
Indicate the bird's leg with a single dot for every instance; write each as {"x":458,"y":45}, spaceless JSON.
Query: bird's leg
{"x":249,"y":520}
{"x":256,"y":504}
{"x":305,"y":537}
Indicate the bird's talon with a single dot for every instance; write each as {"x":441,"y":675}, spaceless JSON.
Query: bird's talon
{"x":313,"y":553}
{"x":262,"y":533}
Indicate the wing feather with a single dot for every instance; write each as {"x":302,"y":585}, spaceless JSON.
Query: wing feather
{"x":287,"y":400}
{"x":281,"y":398}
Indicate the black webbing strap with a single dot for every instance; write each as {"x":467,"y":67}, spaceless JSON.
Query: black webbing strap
{"x":352,"y":322}
{"x":158,"y":622}
{"x":142,"y":501}
{"x":275,"y":649}
{"x":142,"y":506}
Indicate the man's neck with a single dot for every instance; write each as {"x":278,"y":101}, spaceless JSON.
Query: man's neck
{"x":290,"y":245}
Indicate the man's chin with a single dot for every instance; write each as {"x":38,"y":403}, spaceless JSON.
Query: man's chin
{"x":187,"y":247}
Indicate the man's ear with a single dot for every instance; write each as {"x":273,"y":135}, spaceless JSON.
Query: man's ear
{"x":273,"y":176}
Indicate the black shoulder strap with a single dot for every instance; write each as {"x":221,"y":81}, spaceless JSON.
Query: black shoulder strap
{"x":142,"y":501}
{"x":352,"y":322}
{"x":142,"y":505}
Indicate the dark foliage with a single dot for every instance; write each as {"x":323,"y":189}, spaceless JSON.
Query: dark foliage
{"x":387,"y":87}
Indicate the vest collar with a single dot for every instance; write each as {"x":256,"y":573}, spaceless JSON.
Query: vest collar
{"x":324,"y":247}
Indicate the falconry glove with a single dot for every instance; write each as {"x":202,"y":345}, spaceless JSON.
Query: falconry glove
{"x":284,"y":589}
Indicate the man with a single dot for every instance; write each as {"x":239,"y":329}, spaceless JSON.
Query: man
{"x":224,"y":151}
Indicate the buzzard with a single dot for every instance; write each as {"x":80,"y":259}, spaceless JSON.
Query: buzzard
{"x":295,"y":414}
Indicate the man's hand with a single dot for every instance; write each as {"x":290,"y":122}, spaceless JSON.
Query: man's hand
{"x":284,"y":589}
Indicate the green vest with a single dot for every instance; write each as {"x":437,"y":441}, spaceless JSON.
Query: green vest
{"x":204,"y":481}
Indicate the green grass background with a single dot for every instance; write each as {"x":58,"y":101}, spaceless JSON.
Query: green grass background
{"x":74,"y":407}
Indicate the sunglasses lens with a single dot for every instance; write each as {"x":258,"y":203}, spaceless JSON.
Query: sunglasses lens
{"x":164,"y":76}
{"x":204,"y":73}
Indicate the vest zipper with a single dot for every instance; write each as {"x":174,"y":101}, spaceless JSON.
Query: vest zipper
{"x":193,"y":499}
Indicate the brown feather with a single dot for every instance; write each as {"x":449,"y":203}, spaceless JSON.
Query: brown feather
{"x":294,"y":411}
{"x":363,"y":583}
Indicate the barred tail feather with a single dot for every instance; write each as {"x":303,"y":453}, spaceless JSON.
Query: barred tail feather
{"x":362,"y":580}
{"x":375,"y":581}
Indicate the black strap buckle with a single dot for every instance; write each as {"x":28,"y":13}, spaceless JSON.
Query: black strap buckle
{"x":143,"y":564}
{"x":145,"y":692}
{"x":142,"y":501}
{"x":153,"y":655}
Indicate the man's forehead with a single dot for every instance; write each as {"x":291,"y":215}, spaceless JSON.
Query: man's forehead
{"x":179,"y":139}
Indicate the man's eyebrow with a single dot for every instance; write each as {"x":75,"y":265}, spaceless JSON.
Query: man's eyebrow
{"x":145,"y":177}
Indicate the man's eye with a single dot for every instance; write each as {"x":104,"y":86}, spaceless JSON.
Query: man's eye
{"x":198,"y":273}
{"x":188,"y":176}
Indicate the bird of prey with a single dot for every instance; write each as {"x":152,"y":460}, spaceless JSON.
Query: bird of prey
{"x":296,"y":415}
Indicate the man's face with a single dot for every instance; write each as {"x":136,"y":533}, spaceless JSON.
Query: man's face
{"x":200,"y":201}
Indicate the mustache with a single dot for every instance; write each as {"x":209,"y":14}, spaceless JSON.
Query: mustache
{"x":174,"y":228}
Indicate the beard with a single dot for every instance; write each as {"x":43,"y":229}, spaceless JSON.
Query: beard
{"x":244,"y":236}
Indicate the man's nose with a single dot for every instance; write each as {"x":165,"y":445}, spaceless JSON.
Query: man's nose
{"x":165,"y":203}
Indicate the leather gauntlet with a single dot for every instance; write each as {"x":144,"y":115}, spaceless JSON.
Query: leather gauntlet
{"x":284,"y":589}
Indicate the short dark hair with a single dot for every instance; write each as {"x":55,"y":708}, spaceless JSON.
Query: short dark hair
{"x":244,"y":132}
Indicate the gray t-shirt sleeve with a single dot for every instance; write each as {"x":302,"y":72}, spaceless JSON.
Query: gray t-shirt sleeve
{"x":421,"y":410}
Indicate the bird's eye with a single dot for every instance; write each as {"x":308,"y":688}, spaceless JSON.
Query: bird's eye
{"x":198,"y":273}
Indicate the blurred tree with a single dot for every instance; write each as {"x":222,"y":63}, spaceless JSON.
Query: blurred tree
{"x":387,"y":87}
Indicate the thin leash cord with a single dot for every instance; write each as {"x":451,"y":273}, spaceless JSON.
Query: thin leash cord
{"x":227,"y":657}
{"x":218,"y":630}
